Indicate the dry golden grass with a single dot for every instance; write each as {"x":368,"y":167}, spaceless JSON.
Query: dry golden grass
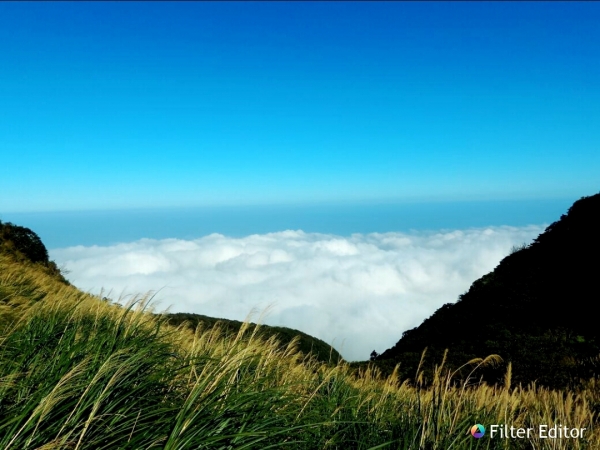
{"x":256,"y":391}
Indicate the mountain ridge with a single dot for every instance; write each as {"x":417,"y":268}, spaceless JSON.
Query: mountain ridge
{"x":530,"y":310}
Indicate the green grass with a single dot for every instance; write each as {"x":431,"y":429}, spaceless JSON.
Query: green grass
{"x":77,"y":372}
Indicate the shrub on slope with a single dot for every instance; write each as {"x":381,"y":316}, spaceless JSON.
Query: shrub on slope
{"x":24,"y":245}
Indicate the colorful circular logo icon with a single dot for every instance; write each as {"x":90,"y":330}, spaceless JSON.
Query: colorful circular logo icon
{"x":477,"y":431}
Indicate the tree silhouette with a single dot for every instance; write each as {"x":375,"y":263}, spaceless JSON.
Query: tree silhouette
{"x":22,"y":242}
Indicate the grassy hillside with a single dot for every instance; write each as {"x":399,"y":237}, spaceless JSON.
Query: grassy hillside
{"x":534,"y":310}
{"x":305,"y":343}
{"x":78,"y":372}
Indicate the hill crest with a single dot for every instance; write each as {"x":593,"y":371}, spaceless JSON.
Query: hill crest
{"x":533,"y":309}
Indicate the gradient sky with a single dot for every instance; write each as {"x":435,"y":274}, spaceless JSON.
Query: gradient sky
{"x":133,"y":105}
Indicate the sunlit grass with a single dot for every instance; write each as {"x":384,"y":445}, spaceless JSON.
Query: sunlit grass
{"x":77,"y":372}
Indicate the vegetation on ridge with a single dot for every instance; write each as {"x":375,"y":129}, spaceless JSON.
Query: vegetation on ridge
{"x":305,"y":343}
{"x":26,"y":246}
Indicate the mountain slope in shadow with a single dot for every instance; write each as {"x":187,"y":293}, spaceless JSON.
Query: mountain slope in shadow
{"x":537,"y":310}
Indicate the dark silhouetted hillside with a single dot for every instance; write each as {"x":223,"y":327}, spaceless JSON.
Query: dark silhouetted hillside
{"x":537,"y":309}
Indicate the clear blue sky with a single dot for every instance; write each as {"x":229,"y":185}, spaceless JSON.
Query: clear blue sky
{"x":133,"y":105}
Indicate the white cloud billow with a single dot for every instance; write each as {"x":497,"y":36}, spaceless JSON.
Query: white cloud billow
{"x":358,"y":293}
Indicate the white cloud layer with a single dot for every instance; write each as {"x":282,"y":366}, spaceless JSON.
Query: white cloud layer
{"x":357,"y":293}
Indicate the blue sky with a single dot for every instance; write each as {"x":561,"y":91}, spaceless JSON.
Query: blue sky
{"x":349,"y":163}
{"x":135,"y":105}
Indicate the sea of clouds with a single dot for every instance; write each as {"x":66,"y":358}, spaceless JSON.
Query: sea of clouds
{"x":358,"y":293}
